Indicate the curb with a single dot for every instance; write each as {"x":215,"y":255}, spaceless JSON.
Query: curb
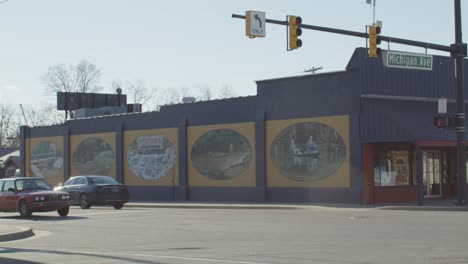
{"x":426,"y":208}
{"x":295,"y":206}
{"x":211,"y":206}
{"x":23,"y":232}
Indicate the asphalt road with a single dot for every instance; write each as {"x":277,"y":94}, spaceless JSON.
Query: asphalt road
{"x":240,"y":236}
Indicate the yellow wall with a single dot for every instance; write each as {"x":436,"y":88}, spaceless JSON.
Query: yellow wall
{"x":33,"y":142}
{"x":339,"y":179}
{"x":245,"y":179}
{"x":75,"y":140}
{"x":171,"y":178}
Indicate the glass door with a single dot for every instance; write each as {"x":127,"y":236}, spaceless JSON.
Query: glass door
{"x":432,"y":173}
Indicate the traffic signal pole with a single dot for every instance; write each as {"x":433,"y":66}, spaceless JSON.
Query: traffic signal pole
{"x":458,"y":51}
{"x":361,"y":35}
{"x":458,"y":54}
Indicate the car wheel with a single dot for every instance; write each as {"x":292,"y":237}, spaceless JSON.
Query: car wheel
{"x":23,"y":209}
{"x":64,"y":211}
{"x":118,"y":205}
{"x":84,"y":202}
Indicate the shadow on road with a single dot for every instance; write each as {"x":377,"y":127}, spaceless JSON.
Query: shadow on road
{"x":17,"y":261}
{"x":44,"y":218}
{"x":4,"y":250}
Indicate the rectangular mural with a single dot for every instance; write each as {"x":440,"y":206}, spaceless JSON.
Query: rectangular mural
{"x":308,"y":152}
{"x":44,"y":159}
{"x":92,"y":154}
{"x":221,"y":155}
{"x":150,"y":157}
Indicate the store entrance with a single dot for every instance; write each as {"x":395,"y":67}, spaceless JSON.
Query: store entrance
{"x":432,"y":173}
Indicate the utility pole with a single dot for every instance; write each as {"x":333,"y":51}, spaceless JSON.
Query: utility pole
{"x":458,"y":54}
{"x":24,"y":116}
{"x":313,"y":69}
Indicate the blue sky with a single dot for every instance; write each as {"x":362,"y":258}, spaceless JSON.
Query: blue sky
{"x":176,"y":43}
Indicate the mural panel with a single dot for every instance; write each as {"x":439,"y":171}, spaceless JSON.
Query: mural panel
{"x":221,"y":154}
{"x":93,"y":156}
{"x":151,"y":157}
{"x":46,"y":159}
{"x":308,"y":151}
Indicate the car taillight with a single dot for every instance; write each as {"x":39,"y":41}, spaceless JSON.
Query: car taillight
{"x":100,"y":189}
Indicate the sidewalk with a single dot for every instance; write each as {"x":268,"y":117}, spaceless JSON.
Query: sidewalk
{"x":429,"y":205}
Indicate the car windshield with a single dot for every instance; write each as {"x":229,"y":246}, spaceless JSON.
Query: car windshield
{"x":32,"y":184}
{"x":102,"y":180}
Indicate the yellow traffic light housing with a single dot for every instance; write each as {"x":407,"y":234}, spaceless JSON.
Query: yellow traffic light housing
{"x":374,"y":40}
{"x":294,"y":29}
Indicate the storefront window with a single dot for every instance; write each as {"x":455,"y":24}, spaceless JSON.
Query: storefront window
{"x":392,"y":167}
{"x":444,"y":168}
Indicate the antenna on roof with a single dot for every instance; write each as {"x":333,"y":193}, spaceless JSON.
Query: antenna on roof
{"x":24,"y":116}
{"x":313,"y":69}
{"x":372,"y":2}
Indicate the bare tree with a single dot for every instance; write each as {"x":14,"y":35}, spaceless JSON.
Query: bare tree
{"x":170,"y":96}
{"x":7,"y":125}
{"x":174,"y":95}
{"x":83,"y":77}
{"x":87,"y":77}
{"x":13,"y":140}
{"x":59,"y":78}
{"x":205,"y":93}
{"x":45,"y":115}
{"x":183,"y":91}
{"x":137,"y":90}
{"x":226,"y":92}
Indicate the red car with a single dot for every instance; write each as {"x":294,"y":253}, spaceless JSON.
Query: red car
{"x":28,"y":195}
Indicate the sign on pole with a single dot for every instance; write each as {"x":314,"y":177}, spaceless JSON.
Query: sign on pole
{"x":405,"y":60}
{"x":442,"y":105}
{"x":255,"y":24}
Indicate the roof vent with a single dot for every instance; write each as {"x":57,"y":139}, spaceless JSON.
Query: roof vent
{"x":188,"y":100}
{"x":133,"y":108}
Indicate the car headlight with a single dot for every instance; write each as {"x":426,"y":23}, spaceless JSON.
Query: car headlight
{"x":42,"y":198}
{"x":36,"y":198}
{"x":64,"y":197}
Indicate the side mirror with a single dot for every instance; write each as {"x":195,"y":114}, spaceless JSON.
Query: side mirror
{"x":11,"y":190}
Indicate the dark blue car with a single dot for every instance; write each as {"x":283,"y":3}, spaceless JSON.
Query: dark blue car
{"x":88,"y":190}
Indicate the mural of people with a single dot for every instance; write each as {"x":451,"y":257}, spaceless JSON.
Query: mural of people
{"x":46,"y":160}
{"x":151,"y":157}
{"x":221,"y":154}
{"x":307,"y":152}
{"x":93,"y":156}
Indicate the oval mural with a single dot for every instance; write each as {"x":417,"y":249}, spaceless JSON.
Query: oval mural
{"x":221,"y":154}
{"x":93,"y":156}
{"x":46,"y":159}
{"x":308,"y":151}
{"x":151,"y":157}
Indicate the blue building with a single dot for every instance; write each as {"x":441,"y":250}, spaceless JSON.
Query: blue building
{"x":362,"y":135}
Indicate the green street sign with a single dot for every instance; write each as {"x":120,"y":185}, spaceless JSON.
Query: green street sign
{"x":404,"y":60}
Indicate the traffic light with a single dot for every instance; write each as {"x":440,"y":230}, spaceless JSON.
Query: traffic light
{"x":445,"y":121}
{"x":441,"y":121}
{"x":374,"y":40}
{"x":294,"y":28}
